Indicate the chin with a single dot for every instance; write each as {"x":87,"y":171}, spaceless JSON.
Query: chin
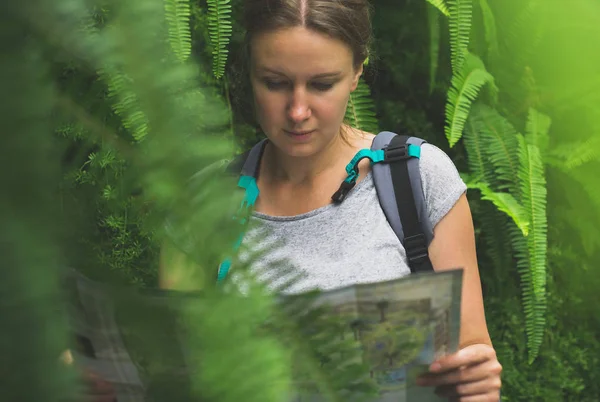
{"x":298,"y":150}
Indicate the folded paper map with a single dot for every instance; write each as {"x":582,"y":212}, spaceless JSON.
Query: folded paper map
{"x":400,"y":326}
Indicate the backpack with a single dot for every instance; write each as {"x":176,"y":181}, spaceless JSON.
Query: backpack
{"x":395,"y":170}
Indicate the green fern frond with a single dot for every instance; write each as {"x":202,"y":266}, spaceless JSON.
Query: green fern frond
{"x":177,"y":14}
{"x":125,"y":103}
{"x":495,"y":229}
{"x":504,"y":202}
{"x":536,"y":130}
{"x":461,"y":13}
{"x":526,"y":24}
{"x":500,"y":145}
{"x":533,"y":198}
{"x":360,"y":112}
{"x":465,"y":87}
{"x":578,"y":154}
{"x":433,"y":19}
{"x":491,"y":34}
{"x":219,"y":29}
{"x":479,"y":164}
{"x":440,"y":5}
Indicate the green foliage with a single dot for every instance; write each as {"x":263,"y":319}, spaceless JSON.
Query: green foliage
{"x":491,"y":34}
{"x":220,"y":30}
{"x":360,"y":112}
{"x":177,"y":14}
{"x":532,"y":253}
{"x":460,"y":29}
{"x":440,"y":5}
{"x":465,"y":87}
{"x":499,"y":144}
{"x":504,"y":202}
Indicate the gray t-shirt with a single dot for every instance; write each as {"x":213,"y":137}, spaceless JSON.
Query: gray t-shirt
{"x":339,"y":245}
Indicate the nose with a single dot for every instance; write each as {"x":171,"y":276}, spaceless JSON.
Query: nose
{"x":299,"y":109}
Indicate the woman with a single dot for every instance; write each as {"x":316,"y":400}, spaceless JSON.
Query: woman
{"x":305,"y":58}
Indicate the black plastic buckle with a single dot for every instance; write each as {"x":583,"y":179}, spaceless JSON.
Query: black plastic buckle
{"x":396,"y":153}
{"x":343,"y":191}
{"x":416,"y":248}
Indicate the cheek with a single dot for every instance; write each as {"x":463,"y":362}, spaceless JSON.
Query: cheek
{"x":268,"y":106}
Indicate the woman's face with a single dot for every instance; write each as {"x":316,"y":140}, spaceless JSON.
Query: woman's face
{"x":301,"y":82}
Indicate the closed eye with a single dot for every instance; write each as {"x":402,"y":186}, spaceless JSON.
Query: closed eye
{"x":274,"y":85}
{"x":322,"y":86}
{"x":277,"y":85}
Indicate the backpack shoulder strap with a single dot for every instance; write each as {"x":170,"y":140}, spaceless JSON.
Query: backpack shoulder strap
{"x":400,"y":192}
{"x":246,"y":167}
{"x":247,"y":163}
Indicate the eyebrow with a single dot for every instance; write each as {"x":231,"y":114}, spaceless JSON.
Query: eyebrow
{"x":322,"y":75}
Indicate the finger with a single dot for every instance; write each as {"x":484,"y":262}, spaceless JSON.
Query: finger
{"x":474,"y":388}
{"x":467,"y":356}
{"x":474,"y":373}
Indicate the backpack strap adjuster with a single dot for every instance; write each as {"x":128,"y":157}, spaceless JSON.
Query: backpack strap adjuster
{"x":402,"y":152}
{"x":416,"y":249}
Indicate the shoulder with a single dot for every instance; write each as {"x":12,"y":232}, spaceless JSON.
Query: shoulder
{"x":441,"y":182}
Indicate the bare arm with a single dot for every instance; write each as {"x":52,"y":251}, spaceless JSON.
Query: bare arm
{"x":453,"y":247}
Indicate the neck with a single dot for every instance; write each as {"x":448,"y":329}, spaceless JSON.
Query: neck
{"x":303,"y":170}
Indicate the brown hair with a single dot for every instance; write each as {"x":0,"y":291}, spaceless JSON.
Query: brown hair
{"x":345,"y":20}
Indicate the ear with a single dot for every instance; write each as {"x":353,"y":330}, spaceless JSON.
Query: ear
{"x":356,"y":77}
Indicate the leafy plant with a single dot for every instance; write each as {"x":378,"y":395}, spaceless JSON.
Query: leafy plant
{"x":360,"y":111}
{"x":177,"y":14}
{"x":220,"y":30}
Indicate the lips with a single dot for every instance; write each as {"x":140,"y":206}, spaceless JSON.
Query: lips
{"x":299,"y":132}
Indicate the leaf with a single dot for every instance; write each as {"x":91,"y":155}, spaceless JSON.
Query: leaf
{"x":220,"y":30}
{"x":465,"y":87}
{"x":536,"y":130}
{"x":578,"y":154}
{"x":491,"y":35}
{"x":440,"y":5}
{"x":474,"y":141}
{"x":177,"y":14}
{"x":505,"y":203}
{"x":460,"y":27}
{"x":499,"y":146}
{"x":360,"y":112}
{"x":532,"y":264}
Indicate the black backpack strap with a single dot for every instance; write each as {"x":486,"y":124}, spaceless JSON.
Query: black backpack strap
{"x":401,"y":196}
{"x":247,"y":163}
{"x":415,"y":241}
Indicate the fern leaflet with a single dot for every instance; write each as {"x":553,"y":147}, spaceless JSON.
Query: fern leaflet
{"x":579,"y":154}
{"x":536,"y":130}
{"x":440,"y":5}
{"x":461,"y":12}
{"x":125,"y":103}
{"x":491,"y":34}
{"x":219,"y":29}
{"x":177,"y":14}
{"x":505,"y":203}
{"x":360,"y":112}
{"x":475,"y":146}
{"x":464,"y":89}
{"x":500,"y":146}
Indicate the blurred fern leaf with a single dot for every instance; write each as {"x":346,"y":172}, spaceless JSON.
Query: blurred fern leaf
{"x":177,"y":14}
{"x":219,"y":29}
